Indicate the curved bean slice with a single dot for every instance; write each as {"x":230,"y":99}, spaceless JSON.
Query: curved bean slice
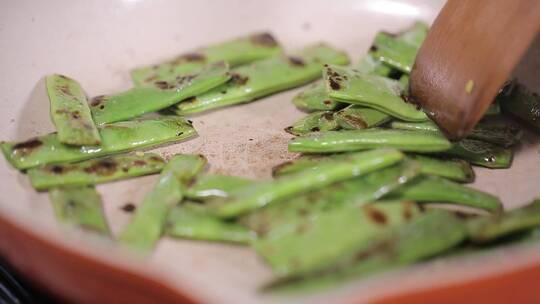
{"x":70,"y":113}
{"x":357,"y":117}
{"x":314,"y":122}
{"x":355,"y":140}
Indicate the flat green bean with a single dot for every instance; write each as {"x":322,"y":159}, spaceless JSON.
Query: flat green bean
{"x":314,"y":122}
{"x":256,"y":196}
{"x":192,"y":221}
{"x":162,"y":94}
{"x":441,"y":190}
{"x":70,"y":113}
{"x":265,"y":77}
{"x":115,"y":138}
{"x":215,"y":185}
{"x":348,"y":85}
{"x":355,"y":140}
{"x":148,"y":222}
{"x":489,"y":228}
{"x":454,"y":169}
{"x":95,"y":171}
{"x":79,"y":206}
{"x":482,"y":153}
{"x":357,"y":117}
{"x":236,"y":52}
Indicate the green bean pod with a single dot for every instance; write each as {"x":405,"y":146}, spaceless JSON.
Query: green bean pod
{"x":518,"y":101}
{"x":348,"y":85}
{"x":162,"y":94}
{"x":490,"y":228}
{"x":148,"y":222}
{"x":356,"y":117}
{"x":314,"y":98}
{"x":454,"y":169}
{"x":357,"y":191}
{"x":355,"y":140}
{"x":265,"y":77}
{"x":256,"y":196}
{"x":79,"y":206}
{"x":215,"y":185}
{"x":192,"y":221}
{"x":117,"y":137}
{"x":70,"y":113}
{"x":236,"y":52}
{"x":314,"y":122}
{"x":440,"y":190}
{"x":95,"y":171}
{"x":482,"y":153}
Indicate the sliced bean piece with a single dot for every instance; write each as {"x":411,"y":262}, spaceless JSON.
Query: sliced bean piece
{"x":95,"y":171}
{"x":491,"y":129}
{"x":454,"y":169}
{"x":302,"y":246}
{"x":70,"y":113}
{"x":236,"y":52}
{"x":79,"y":206}
{"x":517,"y":100}
{"x":256,"y":196}
{"x":265,"y":77}
{"x":147,"y":224}
{"x":314,"y":122}
{"x":356,"y":191}
{"x":349,"y":86}
{"x":490,"y":228}
{"x":215,"y":185}
{"x":146,"y":99}
{"x":355,"y":140}
{"x":482,"y":153}
{"x":193,"y":222}
{"x":424,"y":236}
{"x":314,"y":98}
{"x":441,"y":190}
{"x":357,"y":117}
{"x":117,"y":137}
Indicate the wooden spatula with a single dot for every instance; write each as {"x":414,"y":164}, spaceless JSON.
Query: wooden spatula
{"x":468,"y":54}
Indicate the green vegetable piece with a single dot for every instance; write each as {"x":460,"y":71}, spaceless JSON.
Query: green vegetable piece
{"x":70,"y":113}
{"x":404,"y":82}
{"x":94,"y":171}
{"x":384,"y":94}
{"x":236,"y":52}
{"x":314,"y":122}
{"x":314,"y":98}
{"x":255,"y":196}
{"x":370,"y":65}
{"x":79,"y":206}
{"x":491,"y":129}
{"x":146,"y":99}
{"x":358,"y":117}
{"x":194,"y":222}
{"x":454,"y":169}
{"x":148,"y":222}
{"x":355,"y":140}
{"x":302,"y":246}
{"x":116,"y":137}
{"x":399,"y":51}
{"x":494,"y":109}
{"x":215,"y":185}
{"x":356,"y":191}
{"x":489,"y":228}
{"x":441,"y":190}
{"x":517,"y":100}
{"x":424,"y":236}
{"x":482,"y":153}
{"x":265,"y":77}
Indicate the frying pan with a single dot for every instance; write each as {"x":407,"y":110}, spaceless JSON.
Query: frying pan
{"x":97,"y":42}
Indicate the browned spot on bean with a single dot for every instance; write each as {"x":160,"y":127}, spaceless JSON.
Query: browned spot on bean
{"x":315,"y":129}
{"x":62,"y":76}
{"x":327,"y":102}
{"x":102,"y":167}
{"x":65,"y":89}
{"x":407,"y":210}
{"x":334,"y":84}
{"x":156,"y":159}
{"x":289,"y":130}
{"x":193,"y":57}
{"x":28,"y":146}
{"x":56,"y":169}
{"x":75,"y":114}
{"x":139,"y":162}
{"x":239,"y":79}
{"x":163,"y":85}
{"x":96,"y":101}
{"x":375,"y":215}
{"x":264,"y":39}
{"x":373,"y":48}
{"x":355,"y":121}
{"x":328,"y":116}
{"x":296,"y":61}
{"x":128,"y":207}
